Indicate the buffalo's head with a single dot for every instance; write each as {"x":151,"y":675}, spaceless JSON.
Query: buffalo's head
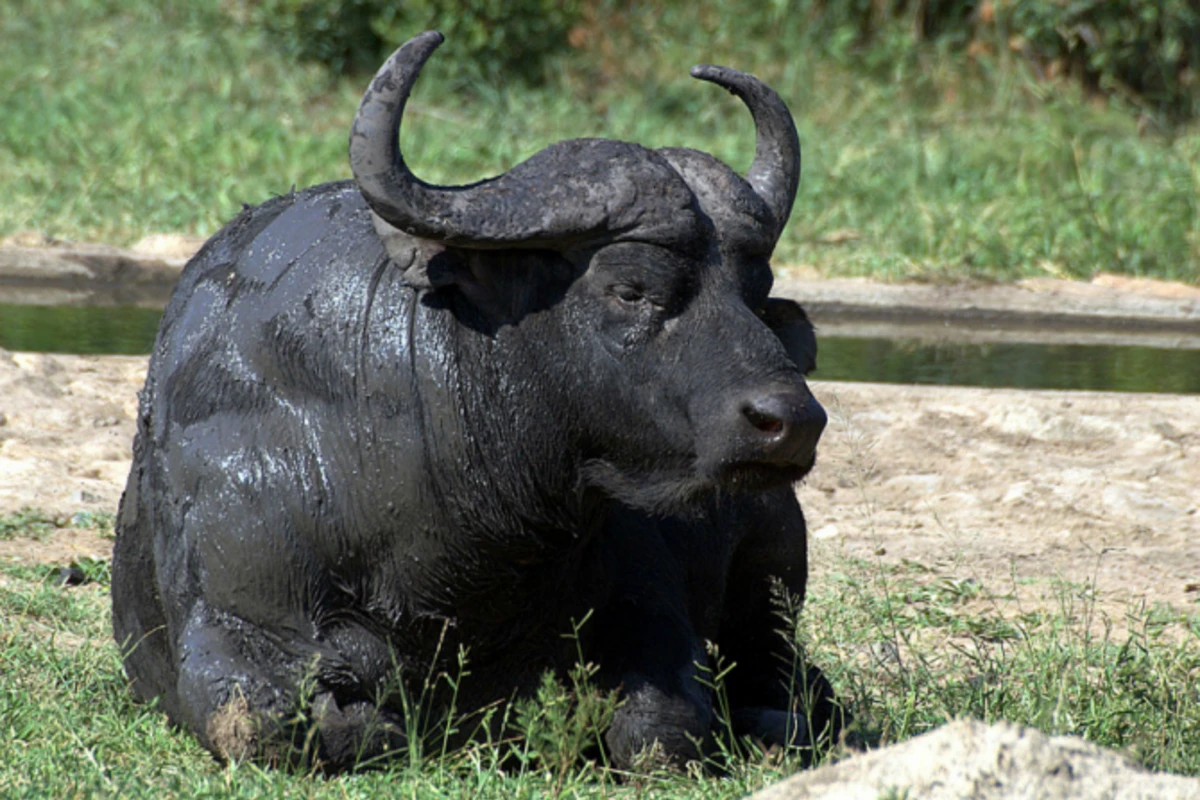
{"x":653,"y":267}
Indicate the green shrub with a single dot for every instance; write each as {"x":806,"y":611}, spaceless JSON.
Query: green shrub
{"x":337,"y":33}
{"x":1145,"y":51}
{"x":506,"y":38}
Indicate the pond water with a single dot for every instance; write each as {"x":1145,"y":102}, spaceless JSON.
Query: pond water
{"x":1118,"y":368}
{"x":130,"y":330}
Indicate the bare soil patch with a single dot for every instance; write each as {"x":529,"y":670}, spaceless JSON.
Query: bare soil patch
{"x":1019,"y":490}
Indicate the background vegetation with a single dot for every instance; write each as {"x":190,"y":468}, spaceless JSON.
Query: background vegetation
{"x":982,"y":139}
{"x":1144,"y":50}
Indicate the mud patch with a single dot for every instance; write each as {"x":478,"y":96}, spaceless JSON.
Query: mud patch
{"x":233,"y":731}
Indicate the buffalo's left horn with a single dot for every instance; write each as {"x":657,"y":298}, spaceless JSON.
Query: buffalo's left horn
{"x":775,"y":172}
{"x":384,"y":179}
{"x":518,"y":208}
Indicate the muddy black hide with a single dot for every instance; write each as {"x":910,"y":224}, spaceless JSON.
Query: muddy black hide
{"x":385,"y":422}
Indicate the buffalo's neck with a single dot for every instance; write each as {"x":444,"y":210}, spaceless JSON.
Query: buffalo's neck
{"x":491,"y":471}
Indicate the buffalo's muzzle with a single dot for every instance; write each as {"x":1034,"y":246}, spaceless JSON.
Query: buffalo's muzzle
{"x":781,"y":427}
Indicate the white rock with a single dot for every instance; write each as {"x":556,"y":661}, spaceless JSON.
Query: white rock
{"x":1132,"y":502}
{"x":825,"y":532}
{"x":1017,"y":492}
{"x":968,"y":759}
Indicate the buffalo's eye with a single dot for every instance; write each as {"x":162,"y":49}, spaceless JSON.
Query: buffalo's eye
{"x":628,"y":294}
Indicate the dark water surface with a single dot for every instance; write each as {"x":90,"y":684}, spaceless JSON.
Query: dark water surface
{"x":1021,"y":365}
{"x":112,"y":330}
{"x":130,"y":331}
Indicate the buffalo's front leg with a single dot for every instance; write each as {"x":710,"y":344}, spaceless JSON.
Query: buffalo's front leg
{"x":647,"y":647}
{"x":247,"y":699}
{"x":774,"y":696}
{"x":666,"y":710}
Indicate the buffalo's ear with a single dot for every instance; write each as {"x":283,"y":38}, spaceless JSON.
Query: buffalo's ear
{"x":787,"y":320}
{"x":425,"y":264}
{"x":503,"y":283}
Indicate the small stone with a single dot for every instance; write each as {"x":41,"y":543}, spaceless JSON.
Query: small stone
{"x":1139,"y":505}
{"x":84,"y":496}
{"x":825,"y":532}
{"x":68,"y":576}
{"x":1017,"y":492}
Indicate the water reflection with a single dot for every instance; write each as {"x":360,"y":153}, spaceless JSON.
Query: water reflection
{"x":1015,"y":364}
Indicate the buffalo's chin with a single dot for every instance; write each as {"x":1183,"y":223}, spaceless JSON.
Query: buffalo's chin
{"x":658,"y":490}
{"x":675,"y":491}
{"x":752,"y":476}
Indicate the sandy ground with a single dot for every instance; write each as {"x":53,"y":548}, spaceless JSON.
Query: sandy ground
{"x":1016,"y":489}
{"x":1020,"y":490}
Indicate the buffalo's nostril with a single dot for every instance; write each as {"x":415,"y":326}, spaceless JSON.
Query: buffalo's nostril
{"x":784,"y":426}
{"x":765,"y":419}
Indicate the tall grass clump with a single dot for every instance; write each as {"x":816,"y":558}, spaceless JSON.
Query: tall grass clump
{"x":912,"y":650}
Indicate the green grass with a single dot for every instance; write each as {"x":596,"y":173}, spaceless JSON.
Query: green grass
{"x":33,"y":523}
{"x":123,"y":117}
{"x":914,"y":650}
{"x":69,"y":728}
{"x":26,"y":522}
{"x":906,"y":649}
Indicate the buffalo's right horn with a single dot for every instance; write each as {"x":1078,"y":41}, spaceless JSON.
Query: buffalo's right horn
{"x":775,"y":172}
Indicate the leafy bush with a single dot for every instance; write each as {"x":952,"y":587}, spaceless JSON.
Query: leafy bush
{"x":1145,"y":51}
{"x":512,"y":38}
{"x":337,"y":33}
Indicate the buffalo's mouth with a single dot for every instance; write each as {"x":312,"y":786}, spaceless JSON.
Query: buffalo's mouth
{"x":752,"y":476}
{"x":663,"y":489}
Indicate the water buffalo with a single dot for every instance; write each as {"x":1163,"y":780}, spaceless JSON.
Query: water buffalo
{"x":386,"y":420}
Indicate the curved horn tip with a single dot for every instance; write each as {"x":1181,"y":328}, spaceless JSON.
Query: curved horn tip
{"x":775,"y":173}
{"x":415,"y":51}
{"x":434,"y":38}
{"x":726,"y":77}
{"x":423,"y":43}
{"x":375,"y":159}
